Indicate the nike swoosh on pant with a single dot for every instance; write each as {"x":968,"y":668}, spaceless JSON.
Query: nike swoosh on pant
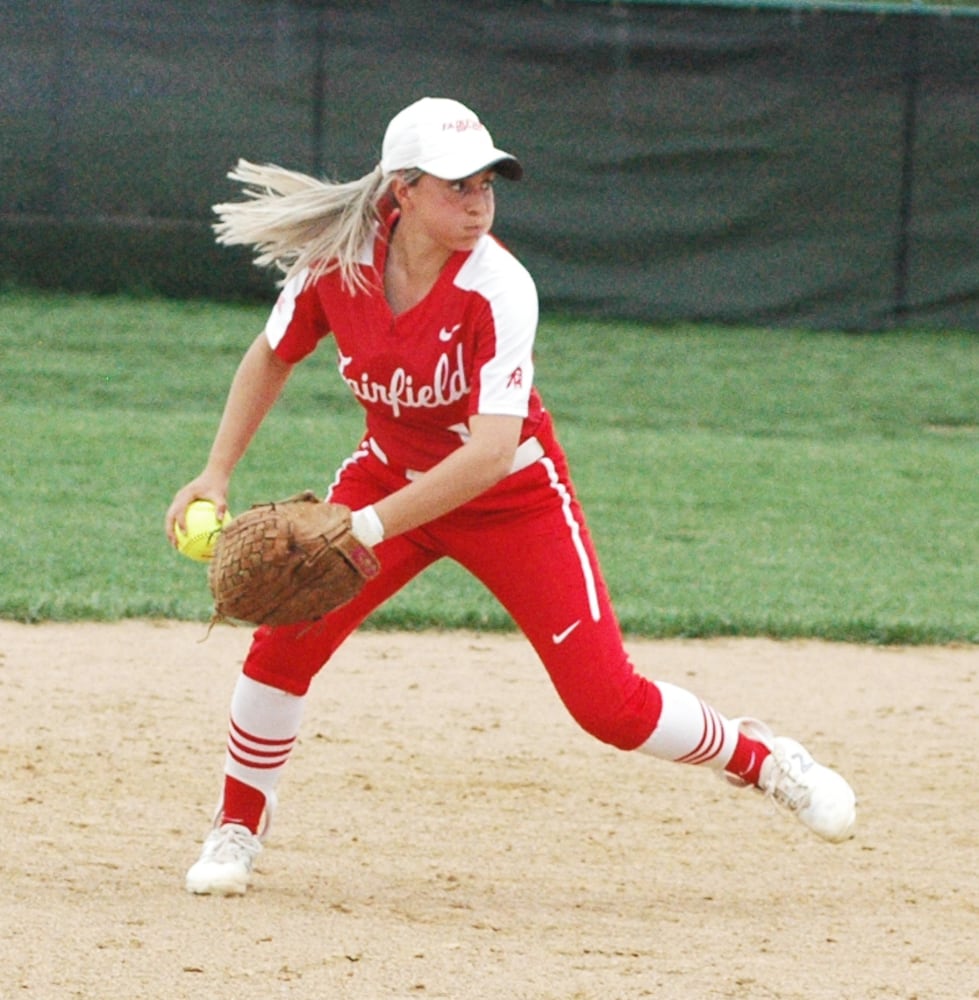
{"x":558,"y":637}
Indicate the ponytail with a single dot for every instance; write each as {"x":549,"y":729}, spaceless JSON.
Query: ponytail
{"x":296,"y":222}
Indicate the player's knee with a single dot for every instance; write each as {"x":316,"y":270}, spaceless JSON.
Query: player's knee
{"x":279,"y":658}
{"x":624,"y":723}
{"x":619,"y":733}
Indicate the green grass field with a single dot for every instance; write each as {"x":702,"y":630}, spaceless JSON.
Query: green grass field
{"x":737,"y":482}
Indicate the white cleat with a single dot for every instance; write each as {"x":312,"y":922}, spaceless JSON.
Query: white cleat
{"x":819,"y":797}
{"x":225,"y":865}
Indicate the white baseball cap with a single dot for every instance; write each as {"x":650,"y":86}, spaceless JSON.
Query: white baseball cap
{"x":445,"y":139}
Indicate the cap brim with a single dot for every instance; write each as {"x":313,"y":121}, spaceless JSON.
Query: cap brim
{"x":454,"y":168}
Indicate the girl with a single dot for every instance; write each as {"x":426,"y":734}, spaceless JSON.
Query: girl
{"x":433,"y":322}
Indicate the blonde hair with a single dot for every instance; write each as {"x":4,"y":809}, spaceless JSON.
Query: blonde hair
{"x":296,"y":222}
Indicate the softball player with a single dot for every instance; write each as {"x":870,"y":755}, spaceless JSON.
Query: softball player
{"x":433,"y":323}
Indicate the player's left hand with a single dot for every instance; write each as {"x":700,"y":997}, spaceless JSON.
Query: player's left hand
{"x":288,"y":562}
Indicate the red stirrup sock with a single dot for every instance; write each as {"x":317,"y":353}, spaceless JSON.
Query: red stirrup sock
{"x":262,"y":730}
{"x":747,"y":759}
{"x":242,"y":804}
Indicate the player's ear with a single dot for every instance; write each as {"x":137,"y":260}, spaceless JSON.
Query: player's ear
{"x":399,"y":189}
{"x":402,"y":185}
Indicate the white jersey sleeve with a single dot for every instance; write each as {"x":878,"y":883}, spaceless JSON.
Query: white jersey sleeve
{"x":506,"y":373}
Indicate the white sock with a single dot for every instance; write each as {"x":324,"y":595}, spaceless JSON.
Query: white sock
{"x":262,"y":731}
{"x":689,"y":731}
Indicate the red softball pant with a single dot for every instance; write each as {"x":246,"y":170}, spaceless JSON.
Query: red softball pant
{"x":527,"y":541}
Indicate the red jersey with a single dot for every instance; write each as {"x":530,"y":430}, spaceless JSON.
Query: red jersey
{"x":466,"y":348}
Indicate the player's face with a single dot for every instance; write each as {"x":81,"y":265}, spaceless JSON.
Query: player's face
{"x":455,"y":214}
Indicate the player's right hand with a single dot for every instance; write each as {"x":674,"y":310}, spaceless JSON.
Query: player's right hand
{"x":205,"y":487}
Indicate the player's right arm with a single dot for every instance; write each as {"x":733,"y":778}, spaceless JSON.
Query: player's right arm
{"x":257,"y":384}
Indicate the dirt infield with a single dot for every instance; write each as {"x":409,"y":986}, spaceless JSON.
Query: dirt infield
{"x":446,"y":831}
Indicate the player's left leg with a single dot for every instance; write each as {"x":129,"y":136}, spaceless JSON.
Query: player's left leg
{"x":543,"y":568}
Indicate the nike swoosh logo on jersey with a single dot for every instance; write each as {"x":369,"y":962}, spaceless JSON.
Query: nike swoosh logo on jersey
{"x":446,"y":335}
{"x":558,"y":637}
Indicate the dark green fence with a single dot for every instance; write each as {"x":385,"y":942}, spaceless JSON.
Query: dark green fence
{"x":797,"y":166}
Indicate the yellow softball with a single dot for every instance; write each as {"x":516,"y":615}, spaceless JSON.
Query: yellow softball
{"x":203,"y":528}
